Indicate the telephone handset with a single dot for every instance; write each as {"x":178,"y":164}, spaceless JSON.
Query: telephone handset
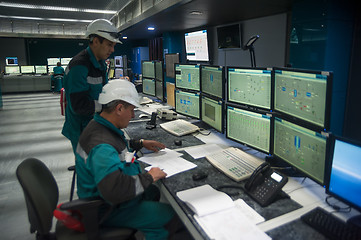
{"x":265,"y":184}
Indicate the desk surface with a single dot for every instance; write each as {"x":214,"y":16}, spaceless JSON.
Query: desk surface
{"x":182,"y":181}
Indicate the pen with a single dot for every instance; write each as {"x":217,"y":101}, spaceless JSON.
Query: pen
{"x":134,"y":155}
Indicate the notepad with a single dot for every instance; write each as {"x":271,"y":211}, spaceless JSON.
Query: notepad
{"x":221,"y":217}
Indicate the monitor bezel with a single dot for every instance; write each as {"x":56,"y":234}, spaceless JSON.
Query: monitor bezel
{"x":222,"y":105}
{"x":182,"y":113}
{"x":279,"y":158}
{"x":12,"y":66}
{"x":187,"y":64}
{"x":328,"y":168}
{"x":46,"y":67}
{"x":163,"y":90}
{"x":302,"y":122}
{"x":27,"y":73}
{"x":16,"y":61}
{"x":258,"y":111}
{"x":151,"y":61}
{"x":248,"y":105}
{"x":143,"y":86}
{"x":223,"y":79}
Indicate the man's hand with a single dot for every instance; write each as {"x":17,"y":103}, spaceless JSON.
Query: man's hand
{"x":157,"y":173}
{"x":153,"y":145}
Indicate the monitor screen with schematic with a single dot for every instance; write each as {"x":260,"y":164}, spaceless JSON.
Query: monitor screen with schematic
{"x":187,"y":103}
{"x":300,"y":147}
{"x":187,"y":76}
{"x":252,"y":128}
{"x":149,"y":86}
{"x":212,"y":80}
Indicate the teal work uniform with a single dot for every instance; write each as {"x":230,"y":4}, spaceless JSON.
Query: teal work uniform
{"x":103,"y":172}
{"x":83,"y":82}
{"x":57,"y":77}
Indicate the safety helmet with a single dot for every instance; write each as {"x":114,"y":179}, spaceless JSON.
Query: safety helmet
{"x":105,"y":29}
{"x":119,"y":90}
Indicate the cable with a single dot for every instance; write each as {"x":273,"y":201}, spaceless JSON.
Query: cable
{"x":220,"y":188}
{"x":336,"y":207}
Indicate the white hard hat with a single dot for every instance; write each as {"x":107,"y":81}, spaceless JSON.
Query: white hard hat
{"x":119,"y":90}
{"x":103,"y":28}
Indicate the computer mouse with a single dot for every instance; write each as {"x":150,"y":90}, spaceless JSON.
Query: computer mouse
{"x":199,"y":175}
{"x":143,"y":115}
{"x":178,"y":142}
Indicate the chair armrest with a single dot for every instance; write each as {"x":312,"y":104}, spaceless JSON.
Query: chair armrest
{"x":82,"y":204}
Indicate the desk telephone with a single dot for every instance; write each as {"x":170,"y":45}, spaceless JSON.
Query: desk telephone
{"x":265,"y":184}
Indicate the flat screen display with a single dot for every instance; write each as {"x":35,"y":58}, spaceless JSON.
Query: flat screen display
{"x":41,"y":69}
{"x":149,"y":86}
{"x":212,"y":112}
{"x":27,"y":69}
{"x":11,"y":61}
{"x":212,"y":80}
{"x":187,"y":76}
{"x":12,"y":69}
{"x":197,"y":46}
{"x":187,"y":103}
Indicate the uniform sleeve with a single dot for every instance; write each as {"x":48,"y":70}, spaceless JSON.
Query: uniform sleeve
{"x":113,"y":185}
{"x":78,"y":89}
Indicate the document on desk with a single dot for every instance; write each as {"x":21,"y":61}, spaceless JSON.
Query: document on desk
{"x":221,"y":217}
{"x":202,"y":150}
{"x":168,"y":160}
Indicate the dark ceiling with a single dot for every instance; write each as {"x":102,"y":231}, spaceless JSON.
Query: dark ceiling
{"x":175,"y":18}
{"x":214,"y":12}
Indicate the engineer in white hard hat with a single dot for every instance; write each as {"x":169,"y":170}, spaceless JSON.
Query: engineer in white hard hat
{"x":106,"y":168}
{"x":85,"y":77}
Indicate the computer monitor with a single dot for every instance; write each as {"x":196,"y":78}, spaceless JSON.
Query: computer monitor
{"x":212,"y":112}
{"x":303,"y":95}
{"x":53,"y":61}
{"x":250,"y":86}
{"x":196,"y":46}
{"x":27,"y":69}
{"x":148,"y":86}
{"x":148,"y":69}
{"x":65,"y":61}
{"x":300,"y":147}
{"x":12,"y":70}
{"x":249,"y":127}
{"x":11,"y":61}
{"x":212,"y":80}
{"x":159,"y":90}
{"x":343,"y":176}
{"x":51,"y":68}
{"x":159,"y":70}
{"x":187,"y":103}
{"x":187,"y":76}
{"x":41,"y":69}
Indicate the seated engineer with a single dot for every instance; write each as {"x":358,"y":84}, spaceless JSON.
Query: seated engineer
{"x":57,"y":77}
{"x":102,"y":169}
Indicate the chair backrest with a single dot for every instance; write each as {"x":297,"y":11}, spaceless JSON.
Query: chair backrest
{"x":41,"y":193}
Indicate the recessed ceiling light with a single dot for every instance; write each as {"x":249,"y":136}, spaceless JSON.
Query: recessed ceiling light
{"x":151,"y":28}
{"x":195,"y":12}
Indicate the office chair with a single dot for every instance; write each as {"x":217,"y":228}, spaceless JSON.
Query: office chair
{"x":41,"y":197}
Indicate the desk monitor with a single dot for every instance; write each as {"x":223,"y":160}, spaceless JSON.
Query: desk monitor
{"x":212,"y":80}
{"x":27,"y":69}
{"x":249,"y":127}
{"x":303,"y":95}
{"x":212,"y":112}
{"x":250,"y":86}
{"x":148,"y":86}
{"x":41,"y":69}
{"x":51,"y":68}
{"x":12,"y":70}
{"x":343,"y":175}
{"x":53,"y":61}
{"x":148,"y":69}
{"x":65,"y":61}
{"x":159,"y":70}
{"x":187,"y":76}
{"x":300,"y":147}
{"x":159,"y":90}
{"x":11,"y":61}
{"x":187,"y":103}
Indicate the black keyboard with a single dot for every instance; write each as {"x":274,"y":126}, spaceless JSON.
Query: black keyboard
{"x":330,"y":226}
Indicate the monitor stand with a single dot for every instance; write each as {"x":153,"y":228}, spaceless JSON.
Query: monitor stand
{"x":283,"y":167}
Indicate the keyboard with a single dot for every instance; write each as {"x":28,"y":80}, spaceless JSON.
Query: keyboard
{"x":234,"y":163}
{"x":330,"y":226}
{"x":179,"y":127}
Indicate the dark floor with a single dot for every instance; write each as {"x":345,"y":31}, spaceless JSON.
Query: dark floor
{"x":30,"y":126}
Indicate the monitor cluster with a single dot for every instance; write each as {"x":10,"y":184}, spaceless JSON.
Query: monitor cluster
{"x":152,"y":78}
{"x":280,"y":111}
